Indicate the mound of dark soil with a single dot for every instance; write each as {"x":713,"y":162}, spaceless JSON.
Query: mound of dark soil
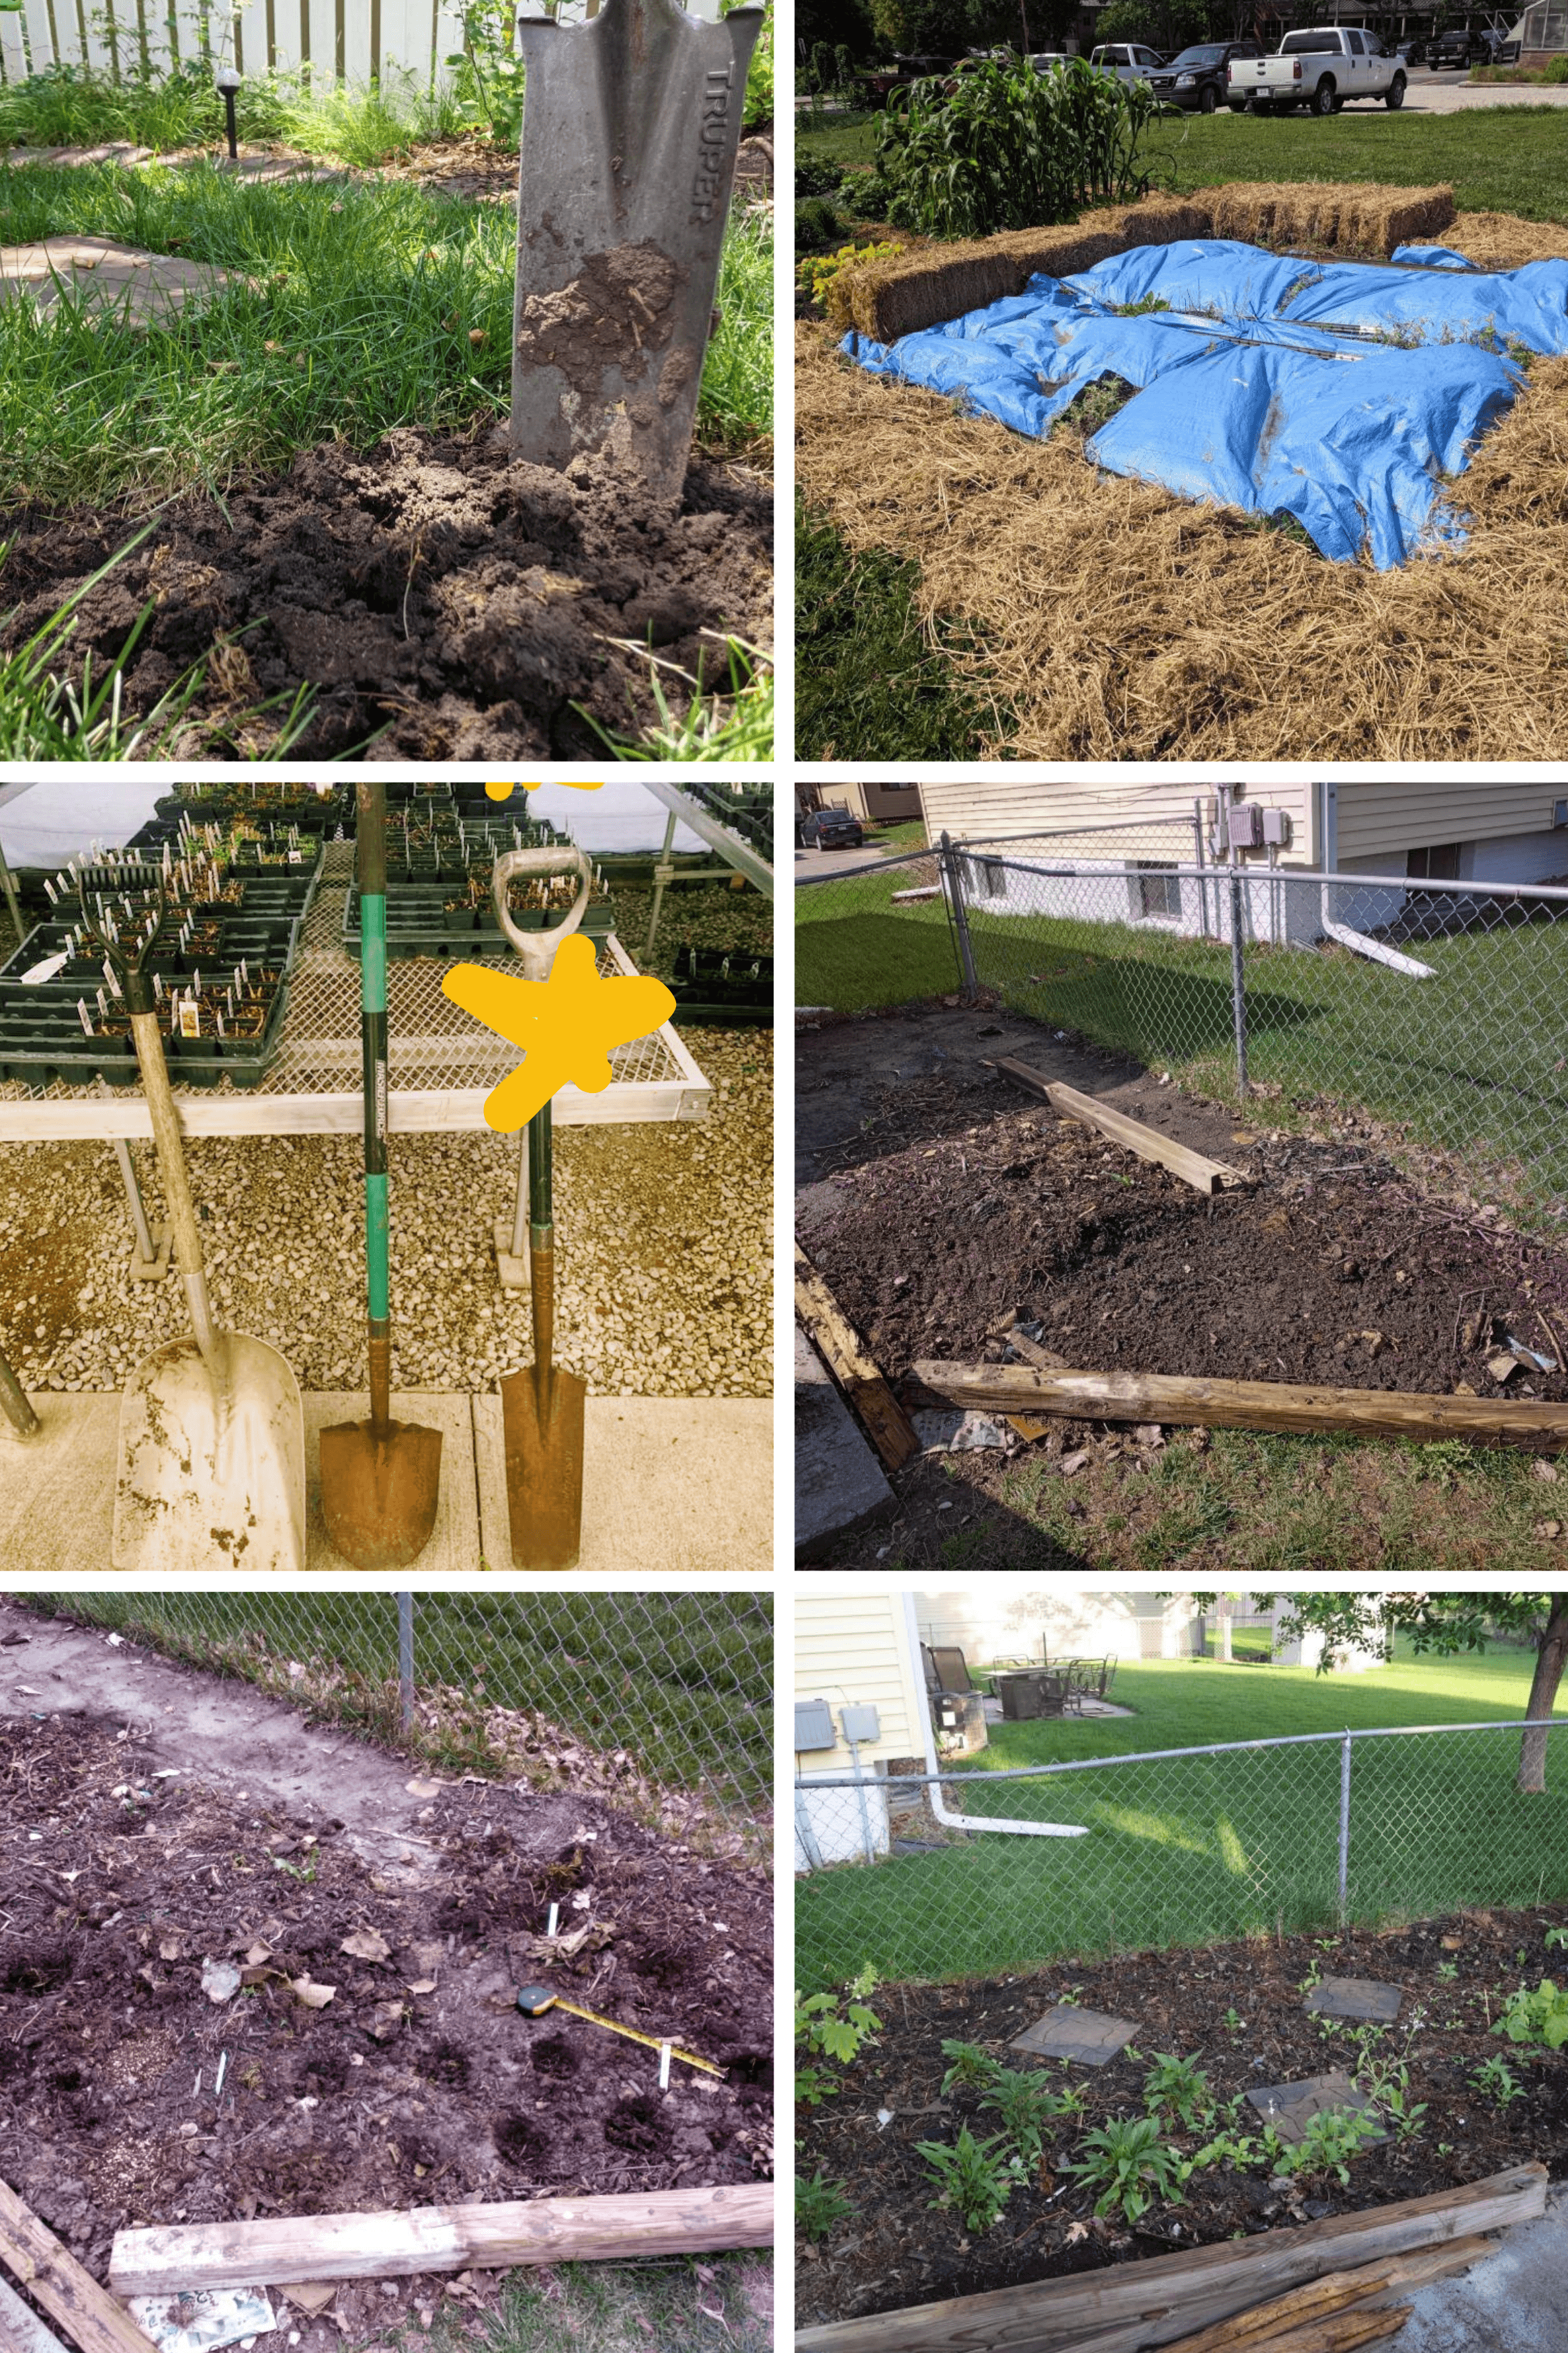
{"x":1338,"y":1279}
{"x":1238,"y":2010}
{"x":435,"y":595}
{"x":416,"y":2082}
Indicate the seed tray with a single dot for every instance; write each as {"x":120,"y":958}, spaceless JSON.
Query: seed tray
{"x":706,"y":995}
{"x":418,"y":923}
{"x":43,"y":1052}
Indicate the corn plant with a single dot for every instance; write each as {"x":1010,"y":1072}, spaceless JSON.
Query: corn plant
{"x":1001,"y":146}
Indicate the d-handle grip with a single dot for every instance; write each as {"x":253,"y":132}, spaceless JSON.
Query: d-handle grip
{"x":536,"y":950}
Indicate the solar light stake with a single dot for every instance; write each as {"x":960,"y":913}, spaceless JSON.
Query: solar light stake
{"x":228,"y":79}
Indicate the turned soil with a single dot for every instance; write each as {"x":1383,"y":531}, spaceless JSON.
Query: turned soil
{"x":898,"y":2249}
{"x":1307,"y":1275}
{"x":438,"y":598}
{"x":418,"y":2083}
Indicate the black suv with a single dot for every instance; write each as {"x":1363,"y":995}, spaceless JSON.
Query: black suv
{"x":1461,"y":47}
{"x":1195,"y":80}
{"x":830,"y":829}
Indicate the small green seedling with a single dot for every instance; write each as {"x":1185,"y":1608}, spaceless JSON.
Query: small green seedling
{"x":1497,"y":2079}
{"x":972,"y":2178}
{"x":1131,"y":2165}
{"x":968,"y":2066}
{"x":818,"y":2205}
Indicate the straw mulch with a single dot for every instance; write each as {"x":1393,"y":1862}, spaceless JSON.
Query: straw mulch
{"x":1117,"y":623}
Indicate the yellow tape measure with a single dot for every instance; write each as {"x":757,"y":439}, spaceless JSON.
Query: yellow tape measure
{"x":534,"y":2000}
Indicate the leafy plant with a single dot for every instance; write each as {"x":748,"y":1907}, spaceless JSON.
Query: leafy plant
{"x":832,"y":2026}
{"x":817,"y":225}
{"x":1130,"y":2165}
{"x":488,"y":69}
{"x":1332,"y":2138}
{"x":967,"y":2064}
{"x":1447,"y":1971}
{"x":1496,"y":2079}
{"x":1028,"y":2108}
{"x":1179,"y":2087}
{"x":816,"y":272}
{"x":971,"y":2176}
{"x":1557,"y":1938}
{"x":818,"y":2205}
{"x":1005,"y":147}
{"x":1538,"y":2017}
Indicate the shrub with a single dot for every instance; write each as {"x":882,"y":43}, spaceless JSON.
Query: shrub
{"x":1010,"y":148}
{"x":831,"y":2028}
{"x":817,"y":225}
{"x":815,"y":274}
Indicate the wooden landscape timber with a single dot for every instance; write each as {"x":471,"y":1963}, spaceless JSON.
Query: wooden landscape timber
{"x":888,"y":1425}
{"x":1134,"y":2307}
{"x":280,"y":2249}
{"x":52,"y":2277}
{"x":1270,"y":2328}
{"x":1204,"y":1176}
{"x":1181,"y":1398}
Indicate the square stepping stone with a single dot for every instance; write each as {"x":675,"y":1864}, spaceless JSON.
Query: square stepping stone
{"x":101,"y":275}
{"x":1290,"y":2107}
{"x":1355,"y":1998}
{"x":1068,"y":2032}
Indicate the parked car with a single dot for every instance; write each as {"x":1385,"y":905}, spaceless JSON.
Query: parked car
{"x":1410,"y":50}
{"x":1461,"y":47}
{"x":1321,"y":68}
{"x":1194,"y":80}
{"x":831,"y":829}
{"x":1044,"y":60}
{"x":1128,"y":60}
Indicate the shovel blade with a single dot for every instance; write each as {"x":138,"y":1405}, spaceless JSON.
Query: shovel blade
{"x":543,"y":1468}
{"x":212,"y":1468}
{"x":379,"y":1493}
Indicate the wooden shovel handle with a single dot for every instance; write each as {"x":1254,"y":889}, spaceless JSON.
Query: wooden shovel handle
{"x":171,"y":1149}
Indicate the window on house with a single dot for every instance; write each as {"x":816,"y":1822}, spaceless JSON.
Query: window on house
{"x":1159,"y":889}
{"x":1440,"y":863}
{"x":987,"y":878}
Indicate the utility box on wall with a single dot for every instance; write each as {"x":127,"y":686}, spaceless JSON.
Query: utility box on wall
{"x":814,"y":1726}
{"x":1244,"y":826}
{"x":1277,"y":828}
{"x":860,"y":1724}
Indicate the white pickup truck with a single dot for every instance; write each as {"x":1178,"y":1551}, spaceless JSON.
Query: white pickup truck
{"x":1321,"y":68}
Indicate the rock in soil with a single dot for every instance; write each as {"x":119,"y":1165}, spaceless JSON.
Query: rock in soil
{"x":439,"y":598}
{"x":418,"y":2082}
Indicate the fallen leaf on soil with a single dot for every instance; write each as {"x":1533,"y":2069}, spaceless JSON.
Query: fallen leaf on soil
{"x":311,"y":2295}
{"x":386,"y":2019}
{"x":366,"y":1945}
{"x":423,"y":1788}
{"x":425,"y":1985}
{"x":257,"y":1953}
{"x":314,"y":1997}
{"x":220,"y":1980}
{"x":1501,"y":1367}
{"x":1547,"y":1470}
{"x":1073,"y":1464}
{"x":1549,"y":1527}
{"x":170,"y":1948}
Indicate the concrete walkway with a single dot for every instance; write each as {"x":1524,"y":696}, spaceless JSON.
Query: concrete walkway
{"x":672,"y":1486}
{"x":1515,"y":2301}
{"x":103,"y":276}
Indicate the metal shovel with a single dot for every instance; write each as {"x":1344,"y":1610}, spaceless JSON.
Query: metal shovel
{"x":630,"y":125}
{"x":379,"y":1478}
{"x":542,"y":1407}
{"x":21,"y":1421}
{"x":212,"y":1431}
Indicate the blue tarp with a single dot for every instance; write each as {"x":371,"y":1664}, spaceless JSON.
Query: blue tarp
{"x":1338,"y":393}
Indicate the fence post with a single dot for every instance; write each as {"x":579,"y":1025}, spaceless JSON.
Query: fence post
{"x":1237,"y":979}
{"x":1200,"y":860}
{"x":951,"y":864}
{"x":1344,"y":1829}
{"x":406,"y":1656}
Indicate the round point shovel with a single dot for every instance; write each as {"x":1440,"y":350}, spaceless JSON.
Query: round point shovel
{"x":542,"y":1407}
{"x":212,"y":1431}
{"x":381,"y":1479}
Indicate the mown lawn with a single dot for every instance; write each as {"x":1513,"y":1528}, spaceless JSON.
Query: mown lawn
{"x":1188,"y":1850}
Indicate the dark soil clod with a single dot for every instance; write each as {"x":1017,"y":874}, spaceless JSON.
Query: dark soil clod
{"x":553,"y":2055}
{"x":447,"y":2063}
{"x":637,"y":2123}
{"x":522,"y":2143}
{"x":39,"y":1968}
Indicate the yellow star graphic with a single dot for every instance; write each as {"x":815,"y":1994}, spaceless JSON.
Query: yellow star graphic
{"x":566,"y":1025}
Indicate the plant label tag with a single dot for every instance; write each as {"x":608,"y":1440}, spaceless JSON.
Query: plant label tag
{"x":664,"y":2050}
{"x":190,"y":1020}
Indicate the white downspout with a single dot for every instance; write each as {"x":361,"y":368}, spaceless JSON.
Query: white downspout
{"x":962,"y":1821}
{"x":1360,"y":945}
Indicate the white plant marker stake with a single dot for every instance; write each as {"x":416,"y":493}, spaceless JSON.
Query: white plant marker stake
{"x":222,"y":2069}
{"x":554,"y":1917}
{"x":664,"y":2050}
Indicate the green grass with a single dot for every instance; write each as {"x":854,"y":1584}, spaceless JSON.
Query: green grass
{"x":1472,"y":1064}
{"x":720,"y":2303}
{"x":1511,"y":159}
{"x":683,"y":1682}
{"x":357,"y":315}
{"x":1209,"y":1846}
{"x":867,"y":684}
{"x":71,"y":106}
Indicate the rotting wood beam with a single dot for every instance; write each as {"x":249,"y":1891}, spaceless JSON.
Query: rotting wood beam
{"x":888,"y":1425}
{"x":1133,"y":2306}
{"x":1194,"y":1168}
{"x":1263,"y":2325}
{"x":52,"y":2277}
{"x":276,"y":2249}
{"x":1246,"y":1405}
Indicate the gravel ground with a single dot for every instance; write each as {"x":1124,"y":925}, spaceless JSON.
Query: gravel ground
{"x":663,"y":1251}
{"x":694,"y":914}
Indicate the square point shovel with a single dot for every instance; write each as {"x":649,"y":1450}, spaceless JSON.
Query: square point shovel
{"x":542,"y":1407}
{"x":212,"y":1429}
{"x":381,"y":1479}
{"x":630,"y":124}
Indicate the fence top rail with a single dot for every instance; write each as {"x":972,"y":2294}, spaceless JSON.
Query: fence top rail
{"x":1411,"y":884}
{"x":871,"y":865}
{"x":1164,"y":1755}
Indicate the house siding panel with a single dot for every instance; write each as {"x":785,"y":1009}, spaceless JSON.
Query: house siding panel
{"x":1379,"y":821}
{"x":849,"y":1649}
{"x":980,"y":809}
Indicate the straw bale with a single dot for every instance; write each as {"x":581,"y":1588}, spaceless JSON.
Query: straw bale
{"x":905,"y":291}
{"x":1157,"y":220}
{"x":1502,"y":241}
{"x":1326,"y":216}
{"x":1114,"y":622}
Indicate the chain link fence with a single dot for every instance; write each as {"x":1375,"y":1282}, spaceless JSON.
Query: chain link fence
{"x":903,"y":1872}
{"x":658,"y":1702}
{"x":1441,"y":1008}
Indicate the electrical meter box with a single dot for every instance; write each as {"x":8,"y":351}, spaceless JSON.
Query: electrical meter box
{"x":1277,"y":828}
{"x":1244,"y":826}
{"x":860,"y":1724}
{"x":814,"y":1725}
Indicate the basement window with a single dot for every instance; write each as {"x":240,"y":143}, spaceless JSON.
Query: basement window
{"x":1158,"y":889}
{"x":1440,"y":863}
